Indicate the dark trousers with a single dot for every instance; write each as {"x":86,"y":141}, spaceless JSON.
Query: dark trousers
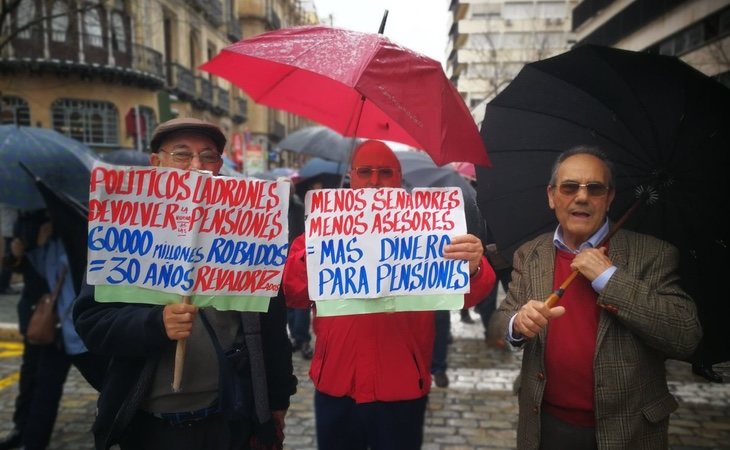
{"x":558,"y":435}
{"x":26,"y":384}
{"x":344,"y":424}
{"x":441,"y":341}
{"x":43,"y":373}
{"x":5,"y":272}
{"x":147,"y":432}
{"x":50,"y":375}
{"x":299,"y":320}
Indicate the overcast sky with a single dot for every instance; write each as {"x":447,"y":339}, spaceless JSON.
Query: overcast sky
{"x":419,"y":25}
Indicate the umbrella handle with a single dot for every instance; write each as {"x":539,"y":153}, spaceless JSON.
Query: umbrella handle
{"x":179,"y":356}
{"x":558,"y":293}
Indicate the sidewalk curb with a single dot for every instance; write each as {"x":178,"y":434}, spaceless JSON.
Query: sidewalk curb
{"x":9,"y":332}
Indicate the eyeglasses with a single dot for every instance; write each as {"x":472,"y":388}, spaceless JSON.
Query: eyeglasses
{"x":367,"y":172}
{"x":594,"y":189}
{"x":184,"y":156}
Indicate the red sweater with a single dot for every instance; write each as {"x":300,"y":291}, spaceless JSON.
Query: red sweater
{"x":372,"y":357}
{"x":571,"y":344}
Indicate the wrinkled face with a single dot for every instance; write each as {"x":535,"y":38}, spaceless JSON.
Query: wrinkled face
{"x":188,"y":151}
{"x":582,"y":212}
{"x":375,"y":167}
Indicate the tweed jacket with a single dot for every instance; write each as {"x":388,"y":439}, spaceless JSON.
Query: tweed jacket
{"x":645,"y":319}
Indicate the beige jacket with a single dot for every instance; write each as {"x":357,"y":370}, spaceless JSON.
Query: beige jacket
{"x":646,"y":318}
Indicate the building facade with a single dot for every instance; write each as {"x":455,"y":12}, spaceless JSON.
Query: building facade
{"x":491,"y":40}
{"x":697,"y":31}
{"x":106,"y":72}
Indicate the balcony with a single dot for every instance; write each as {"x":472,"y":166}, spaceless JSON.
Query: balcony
{"x":277,"y":131}
{"x":87,"y":55}
{"x":147,"y":60}
{"x":273,"y":18}
{"x":204,"y":99}
{"x":240,"y":114}
{"x":222,"y":101}
{"x":213,"y":12}
{"x":181,"y":81}
{"x":233,"y":30}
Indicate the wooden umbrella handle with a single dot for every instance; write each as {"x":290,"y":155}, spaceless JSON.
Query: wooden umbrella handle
{"x":555,"y":296}
{"x":179,"y":356}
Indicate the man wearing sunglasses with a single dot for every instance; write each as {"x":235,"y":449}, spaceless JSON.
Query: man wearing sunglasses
{"x":371,"y":371}
{"x":137,"y":408}
{"x":593,"y":373}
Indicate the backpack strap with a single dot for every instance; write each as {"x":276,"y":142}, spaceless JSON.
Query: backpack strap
{"x":252,"y":336}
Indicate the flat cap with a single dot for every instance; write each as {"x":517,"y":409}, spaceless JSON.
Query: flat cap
{"x":190,"y":124}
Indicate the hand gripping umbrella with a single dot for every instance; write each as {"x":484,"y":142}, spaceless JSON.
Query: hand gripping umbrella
{"x":358,"y":84}
{"x":664,"y":125}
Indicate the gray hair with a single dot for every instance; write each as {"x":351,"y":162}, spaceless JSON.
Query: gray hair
{"x":583,"y":150}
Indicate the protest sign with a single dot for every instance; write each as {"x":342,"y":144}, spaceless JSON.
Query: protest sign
{"x":221,"y":240}
{"x":373,"y":243}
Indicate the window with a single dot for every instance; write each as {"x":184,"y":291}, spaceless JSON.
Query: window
{"x":119,"y":40}
{"x":552,"y":10}
{"x":92,"y":28}
{"x":518,"y":11}
{"x":484,"y":10}
{"x":147,"y":115}
{"x":91,"y":122}
{"x":26,"y":14}
{"x":194,"y":43}
{"x":59,"y":22}
{"x":14,"y":111}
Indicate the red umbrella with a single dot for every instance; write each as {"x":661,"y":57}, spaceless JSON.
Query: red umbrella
{"x":466,"y":170}
{"x":358,"y":84}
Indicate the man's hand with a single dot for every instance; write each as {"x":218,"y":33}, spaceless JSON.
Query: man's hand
{"x":178,"y":319}
{"x":533,"y":317}
{"x":468,"y":248}
{"x":591,"y":262}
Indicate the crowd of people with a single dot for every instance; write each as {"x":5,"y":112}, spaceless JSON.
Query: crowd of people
{"x":596,"y":380}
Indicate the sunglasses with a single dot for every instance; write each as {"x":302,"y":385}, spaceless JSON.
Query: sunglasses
{"x":367,"y":172}
{"x":184,"y":156}
{"x":594,"y":189}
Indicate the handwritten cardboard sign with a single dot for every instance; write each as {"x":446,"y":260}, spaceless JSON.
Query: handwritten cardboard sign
{"x":372,"y":243}
{"x":186,"y":232}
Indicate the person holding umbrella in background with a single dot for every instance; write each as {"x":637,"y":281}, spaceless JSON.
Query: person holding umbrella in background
{"x":300,"y":319}
{"x":371,"y":371}
{"x":593,"y":374}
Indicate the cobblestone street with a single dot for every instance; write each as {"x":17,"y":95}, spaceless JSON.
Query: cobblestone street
{"x":476,"y":411}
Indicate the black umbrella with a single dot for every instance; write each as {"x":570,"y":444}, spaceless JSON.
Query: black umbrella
{"x":64,"y":163}
{"x":320,"y":141}
{"x":70,"y":223}
{"x":665,"y":125}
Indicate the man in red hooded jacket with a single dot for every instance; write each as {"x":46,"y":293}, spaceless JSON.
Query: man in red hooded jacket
{"x":371,"y":371}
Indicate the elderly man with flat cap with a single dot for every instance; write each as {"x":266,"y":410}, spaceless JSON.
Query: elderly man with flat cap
{"x":371,"y":372}
{"x":137,"y":408}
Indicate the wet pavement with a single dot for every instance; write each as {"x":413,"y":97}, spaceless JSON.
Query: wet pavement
{"x":477,"y":411}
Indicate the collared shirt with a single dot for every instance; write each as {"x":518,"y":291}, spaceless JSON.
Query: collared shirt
{"x":598,"y":284}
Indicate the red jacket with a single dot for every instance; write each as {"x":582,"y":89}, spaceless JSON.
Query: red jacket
{"x":372,"y":357}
